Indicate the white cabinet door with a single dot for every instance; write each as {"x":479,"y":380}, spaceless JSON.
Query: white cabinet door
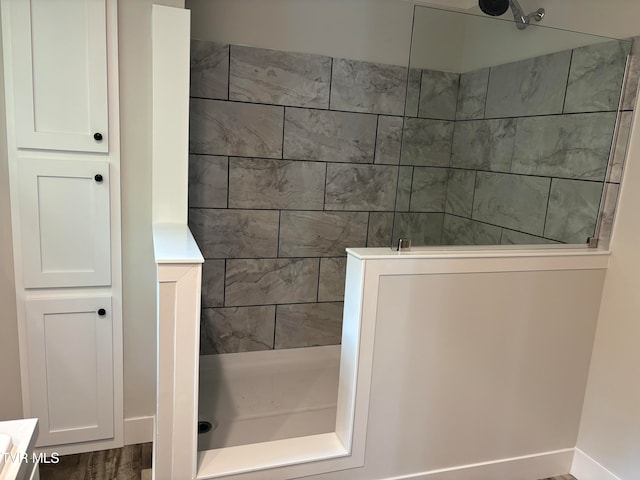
{"x":71,"y":368}
{"x":64,"y":210}
{"x":59,"y":60}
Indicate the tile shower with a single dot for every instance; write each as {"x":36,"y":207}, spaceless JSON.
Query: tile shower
{"x":295,"y":157}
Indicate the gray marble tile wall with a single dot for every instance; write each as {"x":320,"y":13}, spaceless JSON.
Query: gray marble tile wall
{"x":531,"y":147}
{"x":295,"y":157}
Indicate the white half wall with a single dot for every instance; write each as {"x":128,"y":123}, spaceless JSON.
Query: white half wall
{"x":477,"y":373}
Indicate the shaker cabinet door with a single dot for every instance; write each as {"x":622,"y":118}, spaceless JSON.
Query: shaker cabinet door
{"x":64,"y":214}
{"x":59,"y":64}
{"x":70,"y":342}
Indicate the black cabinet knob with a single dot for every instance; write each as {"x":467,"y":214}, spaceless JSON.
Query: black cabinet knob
{"x":97,"y":137}
{"x":102,"y":312}
{"x":98,"y":178}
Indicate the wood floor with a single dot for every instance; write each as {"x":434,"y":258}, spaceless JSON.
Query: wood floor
{"x":124,"y":463}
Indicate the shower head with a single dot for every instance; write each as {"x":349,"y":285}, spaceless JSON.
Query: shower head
{"x":496,"y":8}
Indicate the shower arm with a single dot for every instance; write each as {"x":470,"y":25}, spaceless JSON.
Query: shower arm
{"x":521,"y":20}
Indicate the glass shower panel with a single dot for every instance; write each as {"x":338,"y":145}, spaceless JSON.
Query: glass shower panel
{"x":507,"y":132}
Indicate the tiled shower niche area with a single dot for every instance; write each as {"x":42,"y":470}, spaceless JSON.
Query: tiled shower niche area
{"x":295,"y":157}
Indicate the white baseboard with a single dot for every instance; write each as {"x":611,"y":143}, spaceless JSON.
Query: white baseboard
{"x":138,"y":430}
{"x":586,"y":468}
{"x":542,"y":465}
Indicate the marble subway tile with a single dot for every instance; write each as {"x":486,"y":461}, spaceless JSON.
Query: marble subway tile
{"x":438,"y":95}
{"x":321,"y":234}
{"x":238,"y":129}
{"x":572,"y":146}
{"x":308,"y":325}
{"x":512,"y":201}
{"x":329,"y":136}
{"x":361,"y":187}
{"x":610,"y":199}
{"x":208,"y":181}
{"x":472,"y":96}
{"x":271,"y":280}
{"x":535,"y":86}
{"x":421,"y":228}
{"x":426,"y":142}
{"x":209,"y":70}
{"x":213,"y":283}
{"x":620,"y":147}
{"x":403,"y":197}
{"x":332,"y":276}
{"x":380,"y":229}
{"x":413,"y":92}
{"x":484,"y":144}
{"x":595,"y":77}
{"x":237,"y":329}
{"x":510,"y":237}
{"x":235,"y":233}
{"x":283,"y":78}
{"x":389,"y":140}
{"x":358,"y":86}
{"x":463,"y":231}
{"x":460,"y":190}
{"x":428,"y":189}
{"x":573,"y":210}
{"x":276,"y":184}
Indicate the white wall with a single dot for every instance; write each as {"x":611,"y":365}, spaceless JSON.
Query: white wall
{"x":10,"y":390}
{"x":614,"y":345}
{"x":380,"y":30}
{"x":372,"y":30}
{"x":139,"y":269}
{"x":610,"y":429}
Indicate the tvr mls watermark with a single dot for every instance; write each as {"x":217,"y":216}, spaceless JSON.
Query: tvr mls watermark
{"x":23,"y":457}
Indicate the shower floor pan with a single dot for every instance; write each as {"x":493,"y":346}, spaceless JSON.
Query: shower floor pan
{"x":264,"y":396}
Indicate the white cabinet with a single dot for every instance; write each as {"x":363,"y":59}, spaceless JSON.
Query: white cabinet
{"x":59,"y":66}
{"x":64,"y":208}
{"x":61,"y":97}
{"x":70,"y":345}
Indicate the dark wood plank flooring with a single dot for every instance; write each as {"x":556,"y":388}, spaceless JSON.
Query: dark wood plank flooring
{"x":124,"y":463}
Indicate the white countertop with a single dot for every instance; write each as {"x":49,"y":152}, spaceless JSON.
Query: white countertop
{"x":174,"y":243}
{"x":485,"y":251}
{"x":24,"y":434}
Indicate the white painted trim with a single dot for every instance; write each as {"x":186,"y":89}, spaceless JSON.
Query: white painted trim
{"x":175,"y":430}
{"x":481,"y":260}
{"x":138,"y":430}
{"x":170,"y":80}
{"x":540,"y":465}
{"x":586,"y":468}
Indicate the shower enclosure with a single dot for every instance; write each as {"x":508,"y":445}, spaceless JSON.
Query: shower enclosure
{"x":508,"y":133}
{"x":485,"y":135}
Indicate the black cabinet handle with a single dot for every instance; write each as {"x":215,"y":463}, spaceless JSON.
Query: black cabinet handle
{"x":98,"y":178}
{"x":97,"y":137}
{"x":102,"y":312}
